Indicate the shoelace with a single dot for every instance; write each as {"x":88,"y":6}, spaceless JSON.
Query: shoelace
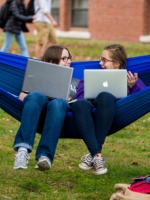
{"x":21,"y":155}
{"x":87,"y":158}
{"x":99,"y":163}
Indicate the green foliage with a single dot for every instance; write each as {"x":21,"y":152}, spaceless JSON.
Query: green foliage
{"x":82,"y":49}
{"x":126,"y":153}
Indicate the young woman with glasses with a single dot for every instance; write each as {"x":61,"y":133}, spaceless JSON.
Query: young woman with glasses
{"x":37,"y":110}
{"x":94,"y":129}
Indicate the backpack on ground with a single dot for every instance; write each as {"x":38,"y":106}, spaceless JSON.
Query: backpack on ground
{"x":138,"y":190}
{"x":30,"y":8}
{"x":4,"y":13}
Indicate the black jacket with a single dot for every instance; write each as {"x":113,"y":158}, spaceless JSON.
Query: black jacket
{"x":17,"y":18}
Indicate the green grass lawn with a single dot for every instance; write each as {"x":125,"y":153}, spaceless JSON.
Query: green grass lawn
{"x":126,"y":153}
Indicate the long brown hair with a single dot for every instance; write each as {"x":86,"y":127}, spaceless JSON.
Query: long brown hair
{"x":53,"y":54}
{"x":117,"y":54}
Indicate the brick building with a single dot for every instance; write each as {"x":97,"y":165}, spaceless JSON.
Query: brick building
{"x":110,"y":20}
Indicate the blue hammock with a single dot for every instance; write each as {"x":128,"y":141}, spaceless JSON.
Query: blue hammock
{"x":128,"y":109}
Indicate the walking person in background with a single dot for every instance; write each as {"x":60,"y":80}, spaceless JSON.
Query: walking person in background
{"x":15,"y":26}
{"x":94,"y":129}
{"x":44,"y":25}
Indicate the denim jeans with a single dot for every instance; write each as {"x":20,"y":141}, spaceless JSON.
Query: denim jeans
{"x":55,"y":113}
{"x":94,"y":128}
{"x":20,"y":40}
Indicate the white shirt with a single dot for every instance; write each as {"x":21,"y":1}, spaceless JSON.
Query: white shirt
{"x":41,"y":7}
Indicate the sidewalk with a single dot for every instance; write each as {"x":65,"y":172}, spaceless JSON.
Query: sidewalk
{"x":73,"y":34}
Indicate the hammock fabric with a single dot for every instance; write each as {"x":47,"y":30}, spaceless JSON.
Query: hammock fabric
{"x":128,"y":109}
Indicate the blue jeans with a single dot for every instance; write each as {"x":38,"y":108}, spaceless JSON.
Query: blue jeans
{"x":20,"y":40}
{"x":55,"y":112}
{"x":94,"y":128}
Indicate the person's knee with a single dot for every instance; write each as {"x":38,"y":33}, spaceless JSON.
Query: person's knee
{"x":58,"y":104}
{"x":81,"y":105}
{"x":105,"y":98}
{"x":37,"y":98}
{"x":105,"y":95}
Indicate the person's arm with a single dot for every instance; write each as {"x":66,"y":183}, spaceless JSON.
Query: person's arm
{"x":50,"y":17}
{"x":45,"y":9}
{"x":15,"y":11}
{"x":134,"y":83}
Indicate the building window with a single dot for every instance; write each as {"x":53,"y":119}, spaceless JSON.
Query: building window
{"x":55,"y":10}
{"x":79,"y":16}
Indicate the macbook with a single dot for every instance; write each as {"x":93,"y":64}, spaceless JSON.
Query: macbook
{"x":99,"y":80}
{"x":50,"y":79}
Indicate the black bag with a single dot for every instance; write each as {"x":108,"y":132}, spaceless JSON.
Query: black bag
{"x":30,"y":8}
{"x":4,"y":13}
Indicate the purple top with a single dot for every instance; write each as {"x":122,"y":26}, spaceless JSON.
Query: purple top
{"x":138,"y":86}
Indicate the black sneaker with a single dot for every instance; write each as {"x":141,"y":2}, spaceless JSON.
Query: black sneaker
{"x":99,"y":165}
{"x":86,"y":163}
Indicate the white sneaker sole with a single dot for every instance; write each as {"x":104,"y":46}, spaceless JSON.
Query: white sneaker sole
{"x":43,"y":165}
{"x":81,"y":166}
{"x":20,"y":167}
{"x":100,"y":172}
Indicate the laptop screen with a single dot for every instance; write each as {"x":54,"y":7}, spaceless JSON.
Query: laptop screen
{"x":50,"y":79}
{"x":99,"y":80}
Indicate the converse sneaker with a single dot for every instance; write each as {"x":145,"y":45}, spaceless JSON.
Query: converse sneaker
{"x":86,"y":163}
{"x":21,"y":160}
{"x":99,"y":165}
{"x":43,"y":163}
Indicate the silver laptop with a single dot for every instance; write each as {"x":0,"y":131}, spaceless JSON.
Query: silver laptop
{"x":112,"y":81}
{"x":50,"y":79}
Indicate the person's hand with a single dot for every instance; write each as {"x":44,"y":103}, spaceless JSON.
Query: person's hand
{"x":54,"y":23}
{"x":33,"y":17}
{"x":22,"y":95}
{"x":131,"y":79}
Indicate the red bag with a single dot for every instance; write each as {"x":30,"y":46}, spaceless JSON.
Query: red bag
{"x":142,"y":187}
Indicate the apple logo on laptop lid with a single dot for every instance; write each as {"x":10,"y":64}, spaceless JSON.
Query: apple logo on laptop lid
{"x":105,"y":84}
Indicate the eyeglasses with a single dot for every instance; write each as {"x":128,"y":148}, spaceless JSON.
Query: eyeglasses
{"x":105,"y":60}
{"x":65,"y":58}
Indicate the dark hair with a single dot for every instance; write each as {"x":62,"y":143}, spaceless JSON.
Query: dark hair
{"x":117,"y":54}
{"x":53,"y":54}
